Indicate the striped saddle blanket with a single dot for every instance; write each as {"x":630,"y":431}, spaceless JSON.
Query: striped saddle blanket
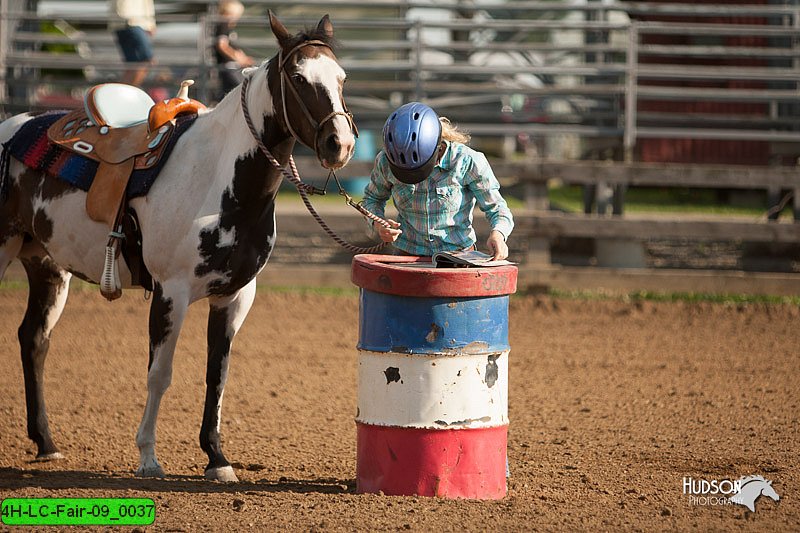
{"x":31,"y":146}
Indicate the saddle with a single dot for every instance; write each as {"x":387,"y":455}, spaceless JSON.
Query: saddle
{"x":122,"y":129}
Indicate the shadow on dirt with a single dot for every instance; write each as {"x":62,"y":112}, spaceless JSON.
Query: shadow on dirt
{"x":15,"y":478}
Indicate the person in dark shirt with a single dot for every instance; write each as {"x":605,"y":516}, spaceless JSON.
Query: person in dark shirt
{"x":230,"y":58}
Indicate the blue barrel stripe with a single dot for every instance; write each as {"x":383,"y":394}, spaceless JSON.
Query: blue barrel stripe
{"x":403,"y":324}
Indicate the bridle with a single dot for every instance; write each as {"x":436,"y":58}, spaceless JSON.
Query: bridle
{"x":286,"y":81}
{"x":293,"y":176}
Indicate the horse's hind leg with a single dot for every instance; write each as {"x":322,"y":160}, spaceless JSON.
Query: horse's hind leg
{"x":9,"y":249}
{"x":225,"y":317}
{"x":49,"y":285}
{"x":167,"y":312}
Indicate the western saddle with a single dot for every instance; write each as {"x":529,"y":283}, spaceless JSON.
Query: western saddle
{"x":122,"y":129}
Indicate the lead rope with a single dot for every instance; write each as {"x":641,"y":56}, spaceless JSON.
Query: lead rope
{"x":304,"y":189}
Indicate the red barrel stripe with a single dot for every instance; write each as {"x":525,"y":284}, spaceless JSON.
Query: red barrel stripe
{"x":458,"y":463}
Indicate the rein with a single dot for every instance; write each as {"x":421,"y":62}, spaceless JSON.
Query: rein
{"x":303,"y":188}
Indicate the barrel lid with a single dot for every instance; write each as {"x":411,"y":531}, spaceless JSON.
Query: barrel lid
{"x":416,"y":276}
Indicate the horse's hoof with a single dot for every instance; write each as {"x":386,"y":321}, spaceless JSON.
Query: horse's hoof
{"x":150,"y":470}
{"x":52,"y":456}
{"x":222,"y":473}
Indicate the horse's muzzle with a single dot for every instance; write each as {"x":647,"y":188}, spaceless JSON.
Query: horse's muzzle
{"x":336,"y":150}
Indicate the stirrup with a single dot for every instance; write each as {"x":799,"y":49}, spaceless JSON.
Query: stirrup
{"x":110,"y":285}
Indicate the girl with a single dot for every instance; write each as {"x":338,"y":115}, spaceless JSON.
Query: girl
{"x":434,"y":180}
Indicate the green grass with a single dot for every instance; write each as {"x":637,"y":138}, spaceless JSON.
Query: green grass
{"x":74,"y":285}
{"x":333,"y":197}
{"x":583,"y":295}
{"x":303,"y":290}
{"x":13,"y":285}
{"x":648,"y":200}
{"x":570,"y":198}
{"x":79,"y":285}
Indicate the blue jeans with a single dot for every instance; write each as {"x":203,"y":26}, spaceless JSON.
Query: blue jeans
{"x":135,"y":44}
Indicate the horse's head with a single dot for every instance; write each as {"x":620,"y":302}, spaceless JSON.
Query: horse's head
{"x":311,"y":102}
{"x":768,"y":491}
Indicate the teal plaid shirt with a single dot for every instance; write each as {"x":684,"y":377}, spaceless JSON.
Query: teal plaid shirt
{"x":436,"y":214}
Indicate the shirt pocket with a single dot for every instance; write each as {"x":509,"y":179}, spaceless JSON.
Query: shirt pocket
{"x":448,"y":199}
{"x":403,"y":197}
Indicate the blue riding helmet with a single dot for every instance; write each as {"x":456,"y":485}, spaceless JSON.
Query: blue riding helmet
{"x":411,"y":138}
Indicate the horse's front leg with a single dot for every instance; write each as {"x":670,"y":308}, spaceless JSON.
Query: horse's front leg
{"x":167,"y":312}
{"x":225,"y":317}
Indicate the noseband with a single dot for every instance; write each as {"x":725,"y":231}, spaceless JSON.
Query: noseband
{"x":286,"y":81}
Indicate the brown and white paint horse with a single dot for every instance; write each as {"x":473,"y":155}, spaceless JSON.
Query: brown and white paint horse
{"x":208,"y":226}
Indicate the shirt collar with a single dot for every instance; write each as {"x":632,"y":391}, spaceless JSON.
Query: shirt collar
{"x":446,"y":162}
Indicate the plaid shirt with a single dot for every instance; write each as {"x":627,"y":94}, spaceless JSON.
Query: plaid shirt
{"x":436,"y":214}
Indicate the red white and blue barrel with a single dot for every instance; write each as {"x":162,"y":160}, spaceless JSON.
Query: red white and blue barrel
{"x":432,"y":416}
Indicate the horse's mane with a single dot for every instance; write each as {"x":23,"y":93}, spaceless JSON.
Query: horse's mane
{"x":303,"y":36}
{"x":312,"y":35}
{"x":5,"y":166}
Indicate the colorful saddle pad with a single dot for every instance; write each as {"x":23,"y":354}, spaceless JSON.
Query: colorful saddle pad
{"x":31,"y":146}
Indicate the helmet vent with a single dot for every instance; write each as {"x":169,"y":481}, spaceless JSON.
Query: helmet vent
{"x":414,"y":156}
{"x":403,"y":158}
{"x":416,"y":116}
{"x":414,"y":136}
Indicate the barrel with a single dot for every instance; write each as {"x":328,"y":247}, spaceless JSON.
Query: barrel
{"x":432,"y":415}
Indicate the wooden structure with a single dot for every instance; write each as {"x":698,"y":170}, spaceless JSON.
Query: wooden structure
{"x":557,"y":93}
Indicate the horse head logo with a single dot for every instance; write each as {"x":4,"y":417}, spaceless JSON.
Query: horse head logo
{"x":750,"y":488}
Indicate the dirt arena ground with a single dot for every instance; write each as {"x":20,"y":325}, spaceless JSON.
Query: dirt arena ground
{"x":612,"y":404}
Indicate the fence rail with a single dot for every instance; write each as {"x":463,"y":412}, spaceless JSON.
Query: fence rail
{"x":554,"y":83}
{"x":548,"y":63}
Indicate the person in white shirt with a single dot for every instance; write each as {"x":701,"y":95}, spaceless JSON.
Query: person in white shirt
{"x":134,"y":23}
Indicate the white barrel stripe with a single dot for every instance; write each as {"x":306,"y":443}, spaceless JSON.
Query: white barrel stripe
{"x":433,"y":391}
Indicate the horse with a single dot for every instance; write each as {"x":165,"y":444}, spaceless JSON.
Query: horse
{"x":751,"y":487}
{"x":207,"y":226}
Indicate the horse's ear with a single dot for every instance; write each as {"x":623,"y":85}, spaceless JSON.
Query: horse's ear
{"x":325,"y":27}
{"x":278,"y":29}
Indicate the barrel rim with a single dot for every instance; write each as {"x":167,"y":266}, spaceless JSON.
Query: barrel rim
{"x":391,"y":274}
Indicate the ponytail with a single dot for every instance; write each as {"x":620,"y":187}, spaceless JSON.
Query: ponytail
{"x":451,"y":132}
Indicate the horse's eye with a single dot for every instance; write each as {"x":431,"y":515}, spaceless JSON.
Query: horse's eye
{"x":298,"y":78}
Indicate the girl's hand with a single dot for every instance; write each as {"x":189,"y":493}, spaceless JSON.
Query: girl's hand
{"x":497,"y":244}
{"x":389,"y":234}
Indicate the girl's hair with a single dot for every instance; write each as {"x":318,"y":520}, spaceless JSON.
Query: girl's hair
{"x":450,"y":132}
{"x":231,"y":8}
